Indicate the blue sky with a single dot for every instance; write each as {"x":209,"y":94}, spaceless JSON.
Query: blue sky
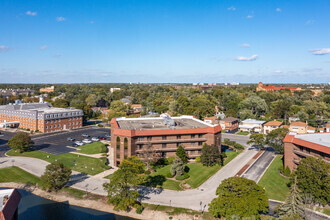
{"x":164,"y":41}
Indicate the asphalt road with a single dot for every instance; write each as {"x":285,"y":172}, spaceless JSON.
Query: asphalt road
{"x":256,"y":171}
{"x":241,"y":139}
{"x":53,"y":143}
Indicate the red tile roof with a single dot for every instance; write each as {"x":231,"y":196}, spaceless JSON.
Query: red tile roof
{"x":272,"y":87}
{"x":273,"y":123}
{"x":298,"y":124}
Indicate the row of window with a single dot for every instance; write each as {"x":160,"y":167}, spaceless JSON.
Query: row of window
{"x":62,"y":114}
{"x":164,"y":137}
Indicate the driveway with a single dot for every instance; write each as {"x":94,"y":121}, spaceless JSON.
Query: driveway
{"x":241,"y":139}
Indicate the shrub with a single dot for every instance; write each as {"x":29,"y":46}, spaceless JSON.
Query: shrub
{"x":182,"y":177}
{"x":147,"y":172}
{"x":170,"y":160}
{"x":28,"y":129}
{"x":139,"y":209}
{"x":159,"y":163}
{"x":198,"y":159}
{"x":177,"y":167}
{"x":100,"y":125}
{"x":238,"y":146}
{"x":287,"y":171}
{"x":169,"y":175}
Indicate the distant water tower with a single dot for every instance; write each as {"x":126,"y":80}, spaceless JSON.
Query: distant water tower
{"x":41,"y":99}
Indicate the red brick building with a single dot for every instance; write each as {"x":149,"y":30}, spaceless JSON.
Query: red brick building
{"x":40,"y":116}
{"x":164,"y":134}
{"x":273,"y":88}
{"x":299,"y":146}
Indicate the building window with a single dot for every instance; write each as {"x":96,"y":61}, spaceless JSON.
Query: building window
{"x":118,"y":143}
{"x":141,"y":138}
{"x":149,"y":138}
{"x":164,"y":137}
{"x":163,"y":145}
{"x":54,"y":126}
{"x":125,"y":143}
{"x":178,"y":137}
{"x":200,"y":136}
{"x":200,"y":143}
{"x":192,"y":136}
{"x":50,"y":126}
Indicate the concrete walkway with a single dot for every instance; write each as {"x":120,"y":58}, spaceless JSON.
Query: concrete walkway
{"x":190,"y":199}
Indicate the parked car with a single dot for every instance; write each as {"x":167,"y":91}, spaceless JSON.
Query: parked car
{"x":74,"y":144}
{"x":101,"y":138}
{"x":79,"y":143}
{"x":95,"y":139}
{"x":70,"y":139}
{"x":86,"y":141}
{"x":107,"y":136}
{"x":85,"y":135}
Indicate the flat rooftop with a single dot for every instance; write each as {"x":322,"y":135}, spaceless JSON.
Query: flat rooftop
{"x":317,"y":138}
{"x":182,"y":122}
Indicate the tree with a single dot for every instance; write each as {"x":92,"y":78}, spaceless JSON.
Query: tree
{"x":275,"y":139}
{"x":61,"y":103}
{"x":21,"y":142}
{"x":257,"y":139}
{"x":313,"y":178}
{"x":122,"y":189}
{"x":255,"y":104}
{"x":239,"y":196}
{"x":55,"y":177}
{"x":210,"y":155}
{"x":177,"y":167}
{"x":118,"y":106}
{"x":148,"y":154}
{"x":91,"y":100}
{"x":293,"y":206}
{"x":182,"y":154}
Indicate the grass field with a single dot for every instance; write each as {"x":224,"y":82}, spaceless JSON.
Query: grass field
{"x":76,"y":162}
{"x":275,"y":184}
{"x":93,"y":148}
{"x":242,"y":133}
{"x":16,"y":174}
{"x":198,"y":174}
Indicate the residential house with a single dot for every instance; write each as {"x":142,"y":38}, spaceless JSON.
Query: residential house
{"x":229,"y":124}
{"x":298,"y":127}
{"x":327,"y":127}
{"x":211,"y":120}
{"x":127,"y":100}
{"x":99,"y":109}
{"x":47,"y":89}
{"x":271,"y":125}
{"x":251,"y":125}
{"x":310,"y":129}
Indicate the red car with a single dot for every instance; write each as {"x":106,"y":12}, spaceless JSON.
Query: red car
{"x":101,"y":138}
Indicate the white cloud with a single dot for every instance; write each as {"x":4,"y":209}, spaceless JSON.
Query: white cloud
{"x":250,"y":16}
{"x":278,"y":9}
{"x":251,"y":58}
{"x":59,"y":19}
{"x":321,"y":51}
{"x":278,"y":71}
{"x":245,"y":45}
{"x":231,"y":8}
{"x":31,"y":13}
{"x":43,"y":47}
{"x":4,"y":48}
{"x":309,"y":22}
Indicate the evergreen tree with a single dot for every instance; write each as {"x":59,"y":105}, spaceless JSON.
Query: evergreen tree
{"x":182,"y":154}
{"x":210,"y":155}
{"x":177,"y":167}
{"x":293,"y":206}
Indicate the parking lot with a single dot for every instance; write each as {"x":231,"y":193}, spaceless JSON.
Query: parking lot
{"x":54,"y":143}
{"x":57,"y":143}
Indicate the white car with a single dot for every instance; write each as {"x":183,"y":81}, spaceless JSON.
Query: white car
{"x":95,"y":139}
{"x":79,"y":143}
{"x":86,"y":141}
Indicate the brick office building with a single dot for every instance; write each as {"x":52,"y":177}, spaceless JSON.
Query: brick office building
{"x":164,"y":134}
{"x":40,"y":116}
{"x":299,"y":146}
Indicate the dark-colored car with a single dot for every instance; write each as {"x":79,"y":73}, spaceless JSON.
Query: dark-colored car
{"x":70,"y":139}
{"x":101,"y":138}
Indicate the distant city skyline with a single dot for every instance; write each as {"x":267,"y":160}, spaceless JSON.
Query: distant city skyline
{"x":186,"y":41}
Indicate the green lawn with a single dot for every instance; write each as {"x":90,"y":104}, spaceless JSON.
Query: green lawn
{"x":198,"y":174}
{"x":242,"y":133}
{"x":275,"y":184}
{"x":16,"y":174}
{"x":93,"y":148}
{"x":76,"y":162}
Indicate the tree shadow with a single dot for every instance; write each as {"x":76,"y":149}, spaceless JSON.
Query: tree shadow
{"x":154,"y":181}
{"x":186,"y":169}
{"x":76,"y":178}
{"x":144,"y":191}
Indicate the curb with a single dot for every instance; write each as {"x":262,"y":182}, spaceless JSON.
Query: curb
{"x":249,"y":165}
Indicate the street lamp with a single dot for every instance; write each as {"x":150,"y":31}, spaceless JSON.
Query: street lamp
{"x":13,"y":161}
{"x":86,"y":188}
